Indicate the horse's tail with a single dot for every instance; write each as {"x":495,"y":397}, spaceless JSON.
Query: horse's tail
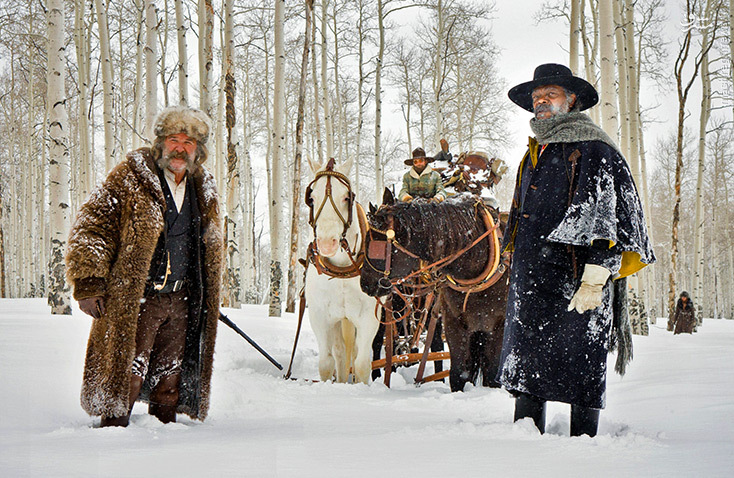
{"x":349,"y":333}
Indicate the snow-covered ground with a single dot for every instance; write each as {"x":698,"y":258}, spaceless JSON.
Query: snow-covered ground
{"x":671,"y":415}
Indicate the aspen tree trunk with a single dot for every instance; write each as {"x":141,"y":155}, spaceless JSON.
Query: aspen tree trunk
{"x":233,"y":219}
{"x":438,"y":74}
{"x":82,"y":57}
{"x":360,"y":98}
{"x":151,"y":68}
{"x":58,"y":134}
{"x":163,"y":70}
{"x":206,"y":61}
{"x":623,"y":80}
{"x":379,"y":174}
{"x":30,"y":266}
{"x":249,"y":265}
{"x":138,"y":121}
{"x":731,"y":56}
{"x":3,"y":290}
{"x":606,"y":49}
{"x":328,"y":120}
{"x":575,"y":33}
{"x":591,"y":49}
{"x":107,"y":84}
{"x":293,"y":268}
{"x":183,"y":62}
{"x":697,"y":294}
{"x":122,"y":103}
{"x":316,"y":99}
{"x":277,"y":221}
{"x":341,"y":120}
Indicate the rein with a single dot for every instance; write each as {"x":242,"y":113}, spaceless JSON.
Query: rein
{"x":489,"y":276}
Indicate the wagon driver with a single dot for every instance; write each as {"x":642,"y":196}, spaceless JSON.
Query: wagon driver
{"x":421,"y":180}
{"x":575,"y":224}
{"x":144,"y":257}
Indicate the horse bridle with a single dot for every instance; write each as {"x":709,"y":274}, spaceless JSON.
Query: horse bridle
{"x":330,"y":173}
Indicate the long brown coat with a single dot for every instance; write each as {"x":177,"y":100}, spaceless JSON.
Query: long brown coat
{"x":684,"y":318}
{"x":109,"y":253}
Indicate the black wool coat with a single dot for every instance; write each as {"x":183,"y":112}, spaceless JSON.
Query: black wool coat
{"x":684,"y":318}
{"x":578,"y":204}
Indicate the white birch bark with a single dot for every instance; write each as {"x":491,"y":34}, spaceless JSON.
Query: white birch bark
{"x":163,"y":40}
{"x":248,"y":269}
{"x":316,"y":99}
{"x":84,"y":153}
{"x":138,"y":121}
{"x":574,"y":35}
{"x":609,"y":117}
{"x":697,"y":294}
{"x":379,"y":174}
{"x":58,"y":133}
{"x":438,"y":73}
{"x":325,"y":100}
{"x":206,"y":62}
{"x":620,"y":28}
{"x":107,"y":84}
{"x":360,"y":96}
{"x":233,"y":217}
{"x":151,"y":68}
{"x":293,"y":267}
{"x":183,"y":61}
{"x":277,"y":221}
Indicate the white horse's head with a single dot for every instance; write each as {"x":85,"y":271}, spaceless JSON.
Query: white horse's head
{"x":331,"y":200}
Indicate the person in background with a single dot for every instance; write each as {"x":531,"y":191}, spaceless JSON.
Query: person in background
{"x":684,"y":319}
{"x":421,"y":181}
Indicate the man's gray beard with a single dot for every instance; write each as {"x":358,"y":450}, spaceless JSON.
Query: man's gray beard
{"x":563,"y":108}
{"x":165,"y":160}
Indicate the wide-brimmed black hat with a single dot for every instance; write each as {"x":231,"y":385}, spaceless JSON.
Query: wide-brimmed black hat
{"x":418,"y":153}
{"x":554,"y":74}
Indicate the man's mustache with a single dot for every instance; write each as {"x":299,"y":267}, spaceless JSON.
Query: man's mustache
{"x":543,"y":108}
{"x":177,"y":155}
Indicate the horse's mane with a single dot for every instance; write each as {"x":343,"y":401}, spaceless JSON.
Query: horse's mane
{"x":435,"y":230}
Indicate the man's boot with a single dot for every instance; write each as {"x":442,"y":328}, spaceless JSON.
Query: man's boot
{"x":164,"y":399}
{"x":528,"y":406}
{"x":115,"y":421}
{"x":135,"y":384}
{"x":584,"y":421}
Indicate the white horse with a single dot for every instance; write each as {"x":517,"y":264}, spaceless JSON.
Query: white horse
{"x":342,"y":316}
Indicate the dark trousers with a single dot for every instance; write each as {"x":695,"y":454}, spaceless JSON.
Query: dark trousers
{"x":159,"y":349}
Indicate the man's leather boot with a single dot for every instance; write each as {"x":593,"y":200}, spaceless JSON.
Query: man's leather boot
{"x":115,"y":421}
{"x":528,"y":406}
{"x":584,"y":421}
{"x":164,"y":413}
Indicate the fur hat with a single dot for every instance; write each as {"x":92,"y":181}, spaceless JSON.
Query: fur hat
{"x":182,"y":119}
{"x":554,"y":74}
{"x":418,"y":153}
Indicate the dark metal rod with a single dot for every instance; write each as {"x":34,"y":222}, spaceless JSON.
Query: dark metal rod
{"x":234,"y":327}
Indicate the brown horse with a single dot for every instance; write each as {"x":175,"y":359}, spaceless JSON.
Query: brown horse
{"x":426,"y":233}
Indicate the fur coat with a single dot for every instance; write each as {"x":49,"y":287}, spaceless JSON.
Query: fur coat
{"x":109,"y":254}
{"x":684,"y":318}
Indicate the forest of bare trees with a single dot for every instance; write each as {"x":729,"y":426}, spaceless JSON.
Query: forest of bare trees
{"x":82,"y":80}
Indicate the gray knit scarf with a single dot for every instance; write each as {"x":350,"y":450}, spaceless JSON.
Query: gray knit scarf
{"x":569,"y":127}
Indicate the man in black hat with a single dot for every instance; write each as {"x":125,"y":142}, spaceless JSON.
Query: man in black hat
{"x":421,"y":181}
{"x":576,"y":222}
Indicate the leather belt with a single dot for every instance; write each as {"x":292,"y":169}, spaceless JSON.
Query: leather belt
{"x":172,"y":287}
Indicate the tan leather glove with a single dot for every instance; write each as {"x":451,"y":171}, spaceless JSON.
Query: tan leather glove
{"x":437,"y":199}
{"x":407,"y":198}
{"x":444,"y":145}
{"x":589,"y":294}
{"x":93,"y":306}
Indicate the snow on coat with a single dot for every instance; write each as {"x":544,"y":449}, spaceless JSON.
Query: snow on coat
{"x":109,"y":254}
{"x":547,"y":351}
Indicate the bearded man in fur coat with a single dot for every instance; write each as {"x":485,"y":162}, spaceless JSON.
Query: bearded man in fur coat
{"x":575,"y":224}
{"x":145,"y":257}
